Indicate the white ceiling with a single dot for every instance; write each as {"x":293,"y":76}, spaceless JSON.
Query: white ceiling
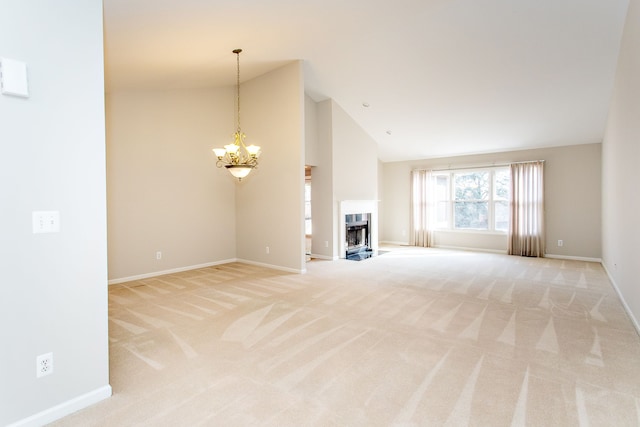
{"x":443,"y":77}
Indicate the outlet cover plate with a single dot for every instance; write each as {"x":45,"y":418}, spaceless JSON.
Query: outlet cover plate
{"x":44,"y":365}
{"x":13,"y":78}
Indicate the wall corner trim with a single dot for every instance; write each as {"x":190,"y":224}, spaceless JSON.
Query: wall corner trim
{"x":66,"y":408}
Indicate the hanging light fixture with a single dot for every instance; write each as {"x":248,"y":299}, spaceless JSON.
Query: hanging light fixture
{"x":237,"y":157}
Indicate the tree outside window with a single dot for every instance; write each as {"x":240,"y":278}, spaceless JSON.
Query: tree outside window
{"x":471,"y":204}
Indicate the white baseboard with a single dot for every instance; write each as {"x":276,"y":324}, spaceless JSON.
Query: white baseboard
{"x":633,"y":319}
{"x":573,"y":258}
{"x":499,"y":251}
{"x":194,"y":267}
{"x":460,"y":248}
{"x":171,"y":271}
{"x":389,"y":242}
{"x":325,"y":257}
{"x":66,"y":408}
{"x":275,"y":267}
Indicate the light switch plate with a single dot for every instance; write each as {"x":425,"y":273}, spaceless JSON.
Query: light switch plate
{"x":13,"y":78}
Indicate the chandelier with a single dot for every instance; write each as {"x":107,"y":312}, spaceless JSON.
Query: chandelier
{"x":237,"y":157}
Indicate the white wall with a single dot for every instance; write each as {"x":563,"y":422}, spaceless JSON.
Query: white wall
{"x":270,"y":201}
{"x":355,"y":175}
{"x":164,"y":190}
{"x":621,"y":174}
{"x":572,"y":200}
{"x":53,"y":296}
{"x":318,"y":153}
{"x":346,"y":167}
{"x":355,"y":159}
{"x":322,"y":205}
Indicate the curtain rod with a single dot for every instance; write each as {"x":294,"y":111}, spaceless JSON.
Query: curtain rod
{"x":494,"y":165}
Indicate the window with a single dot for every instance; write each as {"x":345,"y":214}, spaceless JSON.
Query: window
{"x":473,"y":200}
{"x":307,"y":208}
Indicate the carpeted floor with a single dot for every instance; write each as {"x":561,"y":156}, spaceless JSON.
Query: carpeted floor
{"x":417,"y":337}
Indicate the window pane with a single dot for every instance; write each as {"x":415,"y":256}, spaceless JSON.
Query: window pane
{"x":472,"y":185}
{"x":442,"y":188}
{"x":442,"y":215}
{"x":502,"y":216}
{"x":502,"y":184}
{"x":442,"y":201}
{"x":471,"y":215}
{"x":307,"y":208}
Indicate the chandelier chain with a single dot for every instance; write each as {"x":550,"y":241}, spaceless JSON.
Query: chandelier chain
{"x":238,"y":86}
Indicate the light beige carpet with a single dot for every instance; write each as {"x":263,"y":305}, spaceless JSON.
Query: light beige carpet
{"x":415,"y":337}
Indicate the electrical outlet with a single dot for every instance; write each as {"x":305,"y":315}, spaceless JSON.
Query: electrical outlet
{"x":267,"y":250}
{"x":44,"y":365}
{"x":560,"y":243}
{"x":46,"y":221}
{"x":158,"y":255}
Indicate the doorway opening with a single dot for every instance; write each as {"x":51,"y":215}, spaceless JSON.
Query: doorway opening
{"x":307,"y":212}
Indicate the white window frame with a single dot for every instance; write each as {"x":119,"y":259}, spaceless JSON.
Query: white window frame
{"x":450,"y":203}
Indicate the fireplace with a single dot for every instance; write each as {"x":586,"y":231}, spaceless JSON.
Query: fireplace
{"x":358,"y":234}
{"x":358,"y":229}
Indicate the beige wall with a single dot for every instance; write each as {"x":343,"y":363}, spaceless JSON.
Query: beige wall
{"x":270,"y":204}
{"x":621,"y":174}
{"x":166,"y":195}
{"x":572,"y":199}
{"x":164,"y":191}
{"x":312,"y":155}
{"x":53,"y":296}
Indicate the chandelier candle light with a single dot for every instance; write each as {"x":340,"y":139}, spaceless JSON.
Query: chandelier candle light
{"x":237,"y":157}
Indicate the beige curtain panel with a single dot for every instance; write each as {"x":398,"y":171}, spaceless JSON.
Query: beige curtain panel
{"x":422,"y":208}
{"x":526,"y":225}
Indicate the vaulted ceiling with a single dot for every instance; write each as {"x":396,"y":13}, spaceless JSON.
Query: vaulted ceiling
{"x":440,"y":77}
